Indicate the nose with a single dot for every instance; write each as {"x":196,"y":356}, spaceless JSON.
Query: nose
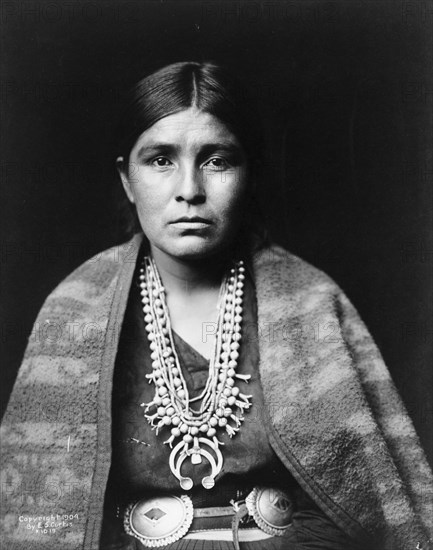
{"x":190,"y":186}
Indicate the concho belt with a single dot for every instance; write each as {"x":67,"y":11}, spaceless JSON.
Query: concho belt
{"x":163,"y":520}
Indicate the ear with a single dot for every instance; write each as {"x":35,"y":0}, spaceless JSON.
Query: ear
{"x":123,"y":173}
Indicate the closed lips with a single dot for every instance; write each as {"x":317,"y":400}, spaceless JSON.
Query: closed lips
{"x":195,"y":219}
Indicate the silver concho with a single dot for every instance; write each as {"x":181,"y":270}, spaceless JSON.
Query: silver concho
{"x":159,"y":521}
{"x":271,"y":508}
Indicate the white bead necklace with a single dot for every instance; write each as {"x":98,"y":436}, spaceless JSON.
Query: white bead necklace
{"x":221,"y":400}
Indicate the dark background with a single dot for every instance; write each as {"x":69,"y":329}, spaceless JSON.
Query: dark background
{"x":345,"y":90}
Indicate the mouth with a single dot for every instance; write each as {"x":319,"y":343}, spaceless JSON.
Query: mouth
{"x":193,"y":222}
{"x":192,"y":219}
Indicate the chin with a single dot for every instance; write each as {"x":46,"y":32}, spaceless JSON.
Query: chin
{"x":193,"y":248}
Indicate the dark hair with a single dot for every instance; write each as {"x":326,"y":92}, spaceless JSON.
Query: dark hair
{"x":209,"y":88}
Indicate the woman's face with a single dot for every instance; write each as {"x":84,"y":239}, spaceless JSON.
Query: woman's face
{"x":187,"y":177}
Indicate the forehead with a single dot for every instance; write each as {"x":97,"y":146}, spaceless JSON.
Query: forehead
{"x":187,"y":128}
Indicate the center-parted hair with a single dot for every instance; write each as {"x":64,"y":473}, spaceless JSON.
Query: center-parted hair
{"x":209,"y":88}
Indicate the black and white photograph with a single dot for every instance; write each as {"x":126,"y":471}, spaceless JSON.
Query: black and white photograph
{"x":216,"y":275}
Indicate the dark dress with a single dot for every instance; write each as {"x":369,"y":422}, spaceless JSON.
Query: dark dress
{"x":140,"y":463}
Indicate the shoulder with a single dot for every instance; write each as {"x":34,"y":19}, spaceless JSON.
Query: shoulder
{"x":289,"y":287}
{"x":91,"y":280}
{"x":288,"y":273}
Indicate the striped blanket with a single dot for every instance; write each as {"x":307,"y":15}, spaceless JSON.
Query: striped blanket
{"x":334,"y":417}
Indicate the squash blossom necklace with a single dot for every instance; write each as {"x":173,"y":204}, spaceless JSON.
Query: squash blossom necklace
{"x":194,"y":431}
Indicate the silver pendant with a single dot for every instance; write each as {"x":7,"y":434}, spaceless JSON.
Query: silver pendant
{"x":182,"y":451}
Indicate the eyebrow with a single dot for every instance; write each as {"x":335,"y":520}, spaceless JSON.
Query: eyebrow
{"x":207,"y":148}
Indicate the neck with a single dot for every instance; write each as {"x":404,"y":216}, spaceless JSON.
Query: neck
{"x":189,"y":276}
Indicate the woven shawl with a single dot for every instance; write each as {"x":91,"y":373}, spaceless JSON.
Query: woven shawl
{"x":334,"y":417}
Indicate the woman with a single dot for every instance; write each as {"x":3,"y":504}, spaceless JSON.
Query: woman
{"x":200,"y":407}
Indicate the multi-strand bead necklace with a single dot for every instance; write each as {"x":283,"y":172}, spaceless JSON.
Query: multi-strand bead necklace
{"x":222,"y":404}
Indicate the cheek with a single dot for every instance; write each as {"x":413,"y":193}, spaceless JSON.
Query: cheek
{"x":235,"y":193}
{"x":148,"y":197}
{"x":231,"y":205}
{"x":149,"y":209}
{"x":143,"y":201}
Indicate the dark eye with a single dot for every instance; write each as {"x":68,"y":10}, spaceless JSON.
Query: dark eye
{"x":161,"y":162}
{"x":217,"y":163}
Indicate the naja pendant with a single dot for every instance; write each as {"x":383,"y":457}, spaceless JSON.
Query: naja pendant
{"x":196,"y":453}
